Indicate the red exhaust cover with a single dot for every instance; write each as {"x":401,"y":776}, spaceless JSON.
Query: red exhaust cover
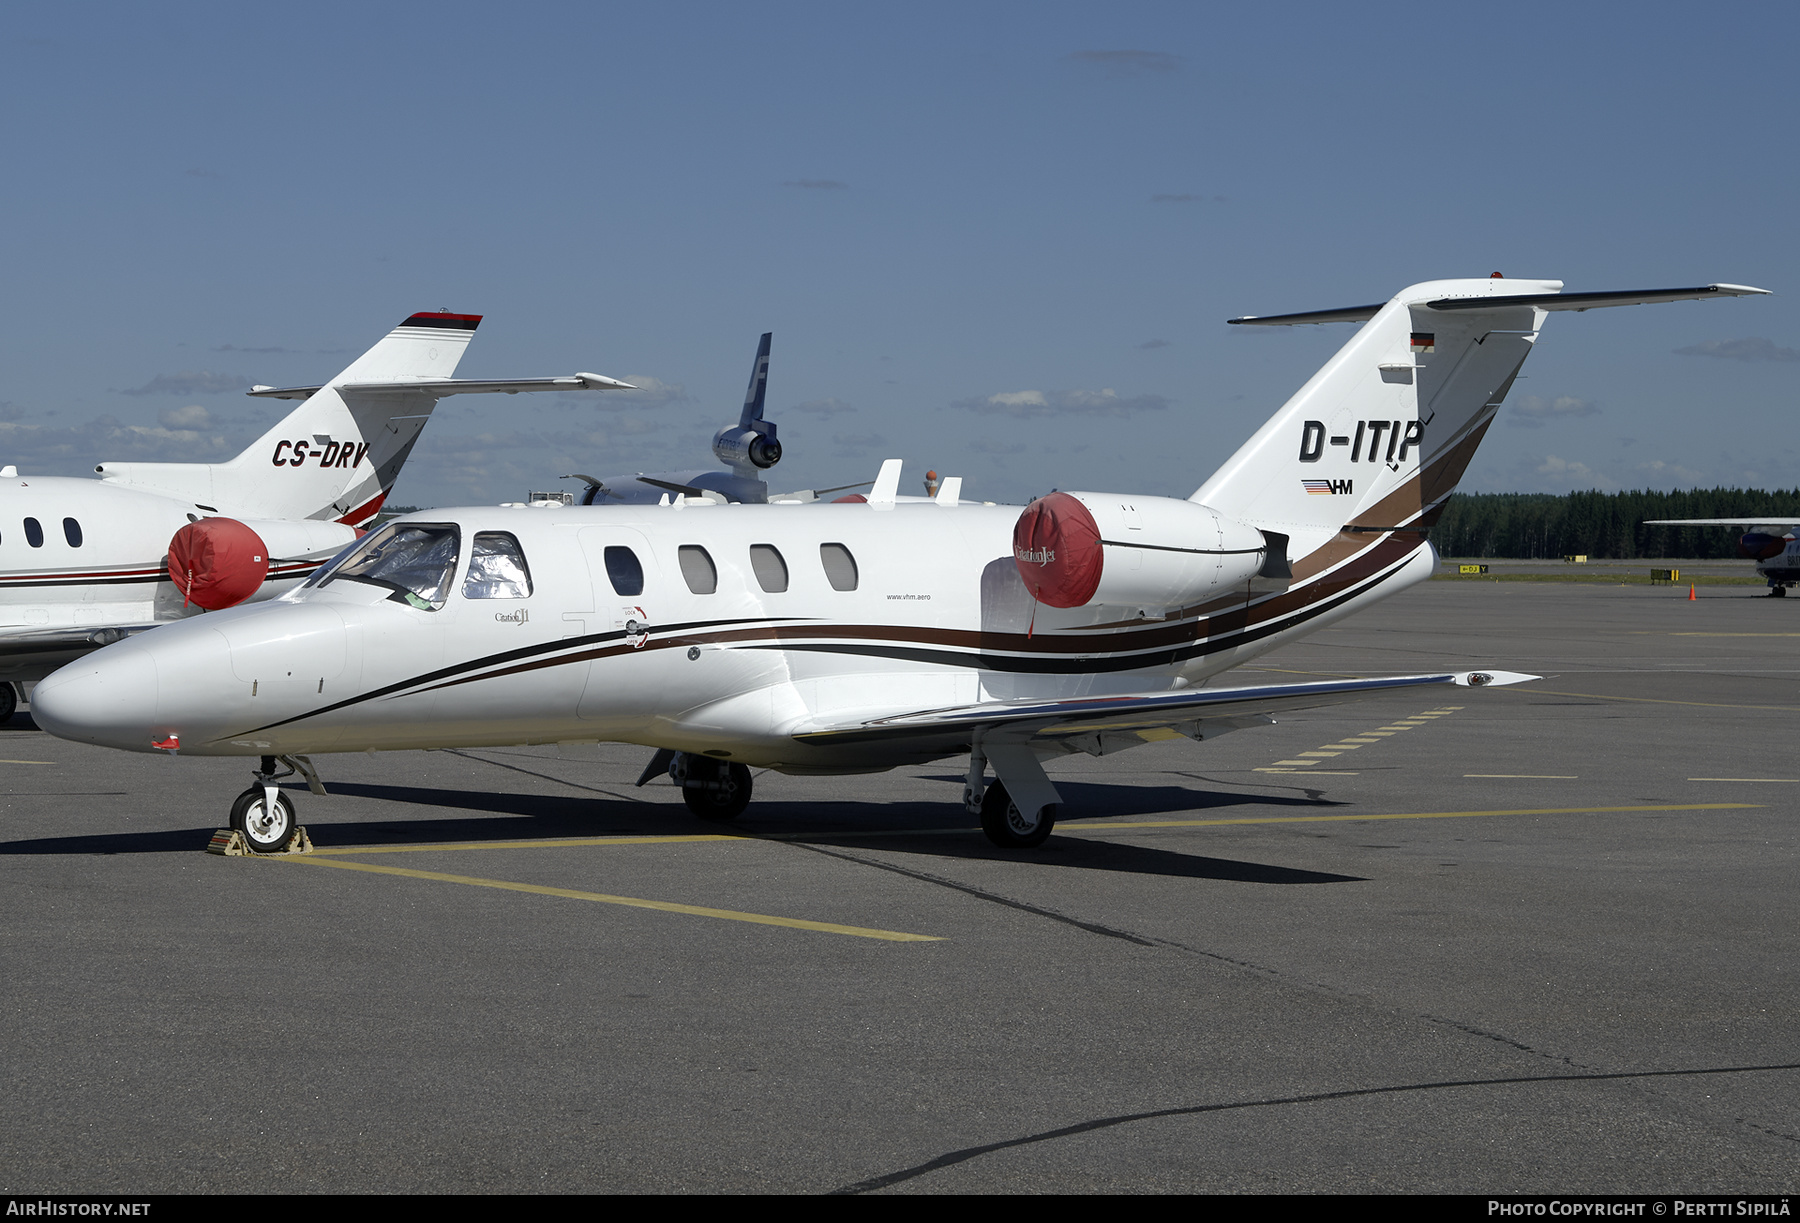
{"x":1056,"y":545}
{"x":217,"y":562}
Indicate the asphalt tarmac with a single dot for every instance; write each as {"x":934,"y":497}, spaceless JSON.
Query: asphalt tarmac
{"x":1539,"y":939}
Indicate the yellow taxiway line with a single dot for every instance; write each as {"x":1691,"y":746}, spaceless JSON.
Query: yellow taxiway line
{"x":664,"y":906}
{"x":1414,"y":815}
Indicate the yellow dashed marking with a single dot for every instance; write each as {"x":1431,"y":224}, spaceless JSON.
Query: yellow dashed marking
{"x":1352,"y":743}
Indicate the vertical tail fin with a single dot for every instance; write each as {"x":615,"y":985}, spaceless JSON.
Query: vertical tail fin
{"x":336,"y":456}
{"x":1379,"y":437}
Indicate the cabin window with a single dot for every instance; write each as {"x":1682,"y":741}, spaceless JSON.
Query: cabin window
{"x":34,"y":533}
{"x":72,"y":532}
{"x":697,"y":569}
{"x":497,"y":568}
{"x":624,"y":570}
{"x":414,"y":560}
{"x":840,"y":566}
{"x":771,"y":571}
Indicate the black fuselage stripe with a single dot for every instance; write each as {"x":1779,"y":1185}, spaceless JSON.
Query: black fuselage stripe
{"x":492,"y":660}
{"x":977,"y":661}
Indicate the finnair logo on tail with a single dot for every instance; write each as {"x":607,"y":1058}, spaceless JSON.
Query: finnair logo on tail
{"x":1325,"y":488}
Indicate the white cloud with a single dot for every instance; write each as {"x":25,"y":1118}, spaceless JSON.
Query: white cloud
{"x":191,"y":382}
{"x":1532,"y":411}
{"x":191,"y":417}
{"x":823,"y":407}
{"x":651,"y":393}
{"x":1022,"y":404}
{"x":1755,"y":348}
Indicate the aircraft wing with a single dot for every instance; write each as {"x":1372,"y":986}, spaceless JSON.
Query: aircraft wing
{"x":1074,"y":720}
{"x":439,"y":387}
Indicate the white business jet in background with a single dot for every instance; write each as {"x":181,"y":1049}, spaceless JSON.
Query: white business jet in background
{"x":1770,"y":542}
{"x":851,"y":638}
{"x":84,"y":562}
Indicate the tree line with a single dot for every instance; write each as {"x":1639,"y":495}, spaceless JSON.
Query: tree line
{"x":1609,"y":525}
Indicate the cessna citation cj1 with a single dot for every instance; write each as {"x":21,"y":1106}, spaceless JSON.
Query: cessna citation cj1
{"x":85,"y":562}
{"x":854,"y":637}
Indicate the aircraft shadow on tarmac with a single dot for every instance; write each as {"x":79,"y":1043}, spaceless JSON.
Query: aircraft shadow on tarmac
{"x":909,"y":828}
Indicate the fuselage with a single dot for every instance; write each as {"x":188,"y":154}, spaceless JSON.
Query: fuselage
{"x":721,"y":629}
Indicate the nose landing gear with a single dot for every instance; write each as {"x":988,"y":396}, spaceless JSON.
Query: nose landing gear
{"x":263,"y":813}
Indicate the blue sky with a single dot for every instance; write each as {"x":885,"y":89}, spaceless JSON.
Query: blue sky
{"x":938,"y":210}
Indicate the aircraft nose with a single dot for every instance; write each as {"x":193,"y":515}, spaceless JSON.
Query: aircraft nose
{"x":108,"y":698}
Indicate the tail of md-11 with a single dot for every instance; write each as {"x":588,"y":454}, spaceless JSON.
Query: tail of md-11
{"x":84,"y":562}
{"x":855,"y":637}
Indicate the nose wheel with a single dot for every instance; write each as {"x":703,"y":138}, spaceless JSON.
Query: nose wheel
{"x":266,"y":826}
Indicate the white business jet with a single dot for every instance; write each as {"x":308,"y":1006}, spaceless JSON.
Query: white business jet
{"x":849,"y":638}
{"x":1770,"y":542}
{"x":84,"y":562}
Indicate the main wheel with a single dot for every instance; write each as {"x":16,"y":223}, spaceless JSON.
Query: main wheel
{"x":1010,"y":828}
{"x":723,"y":800}
{"x":9,"y":701}
{"x":1778,"y":591}
{"x":266,"y":832}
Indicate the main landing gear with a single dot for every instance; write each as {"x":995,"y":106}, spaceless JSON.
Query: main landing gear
{"x":1775,"y":592}
{"x":1010,"y":828}
{"x":263,"y":813}
{"x":9,"y":701}
{"x":1019,"y":817}
{"x":713,"y":789}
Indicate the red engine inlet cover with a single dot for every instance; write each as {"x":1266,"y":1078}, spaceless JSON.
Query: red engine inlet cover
{"x":217,"y":562}
{"x":1056,"y":545}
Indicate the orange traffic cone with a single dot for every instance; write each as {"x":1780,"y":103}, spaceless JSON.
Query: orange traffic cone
{"x":1690,"y":592}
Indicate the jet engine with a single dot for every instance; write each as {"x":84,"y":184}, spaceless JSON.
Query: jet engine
{"x":1081,"y":549}
{"x":221,"y":562}
{"x":752,"y":445}
{"x":1761,"y":546}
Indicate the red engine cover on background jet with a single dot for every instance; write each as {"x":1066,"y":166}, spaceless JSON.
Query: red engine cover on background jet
{"x":1056,"y":545}
{"x":217,"y":562}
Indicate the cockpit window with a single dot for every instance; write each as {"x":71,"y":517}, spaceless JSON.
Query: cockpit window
{"x":497,"y":568}
{"x":414,"y":560}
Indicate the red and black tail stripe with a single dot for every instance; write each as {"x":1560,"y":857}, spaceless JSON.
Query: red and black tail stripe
{"x":444,"y":322}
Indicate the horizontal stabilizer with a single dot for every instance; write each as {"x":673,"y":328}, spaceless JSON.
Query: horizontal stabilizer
{"x":1085,"y":715}
{"x":437,"y":388}
{"x":1543,"y":301}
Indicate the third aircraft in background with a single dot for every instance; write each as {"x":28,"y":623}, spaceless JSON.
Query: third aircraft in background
{"x":1770,"y":542}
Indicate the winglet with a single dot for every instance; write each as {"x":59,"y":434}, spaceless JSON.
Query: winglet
{"x":887,"y":484}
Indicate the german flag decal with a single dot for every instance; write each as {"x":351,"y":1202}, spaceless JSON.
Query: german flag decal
{"x":1424,"y":341}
